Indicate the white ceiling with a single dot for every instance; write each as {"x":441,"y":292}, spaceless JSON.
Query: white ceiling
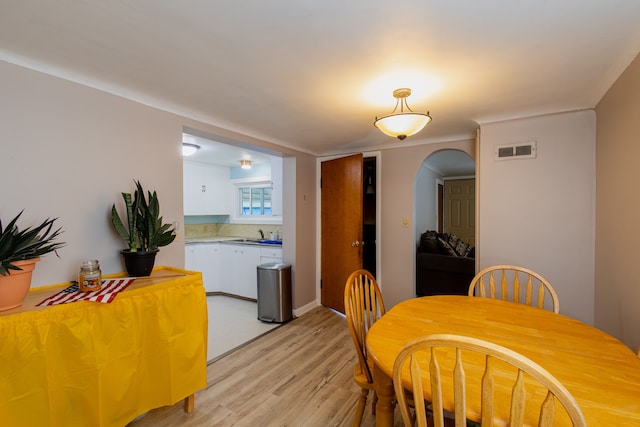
{"x":215,"y":153}
{"x":313,"y":75}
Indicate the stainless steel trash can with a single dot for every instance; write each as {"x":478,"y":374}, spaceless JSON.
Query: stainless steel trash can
{"x":274,"y":293}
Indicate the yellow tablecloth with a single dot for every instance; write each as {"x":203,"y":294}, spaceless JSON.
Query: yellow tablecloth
{"x":91,"y":364}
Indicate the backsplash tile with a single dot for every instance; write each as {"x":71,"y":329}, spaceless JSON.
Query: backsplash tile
{"x":200,"y":230}
{"x":230,"y":230}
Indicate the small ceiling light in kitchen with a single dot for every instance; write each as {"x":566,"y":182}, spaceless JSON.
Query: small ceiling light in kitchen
{"x":189,"y":149}
{"x":245,"y":164}
{"x":403,"y":123}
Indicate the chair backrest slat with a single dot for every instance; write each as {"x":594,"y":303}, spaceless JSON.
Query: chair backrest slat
{"x":492,"y":282}
{"x":548,"y":411}
{"x":421,"y":410}
{"x":519,"y":396}
{"x":436,"y":390}
{"x":487,"y":392}
{"x":459,"y":389}
{"x":516,"y":288}
{"x":541,"y":295}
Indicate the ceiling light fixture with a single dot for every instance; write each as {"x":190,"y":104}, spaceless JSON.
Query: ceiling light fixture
{"x":189,"y":149}
{"x":245,"y":164}
{"x":404,"y":123}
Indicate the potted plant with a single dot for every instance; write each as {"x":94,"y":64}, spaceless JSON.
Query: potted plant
{"x":144,"y":232}
{"x":19,"y":252}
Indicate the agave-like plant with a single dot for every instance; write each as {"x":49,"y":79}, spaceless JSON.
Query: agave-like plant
{"x":145,"y":230}
{"x":32,"y":242}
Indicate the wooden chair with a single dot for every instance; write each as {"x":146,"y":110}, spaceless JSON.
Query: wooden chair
{"x":479,"y":375}
{"x":363,"y":305}
{"x":509,"y":279}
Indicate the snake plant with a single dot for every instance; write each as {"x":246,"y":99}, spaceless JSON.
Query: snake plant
{"x":145,"y":230}
{"x":31,"y":242}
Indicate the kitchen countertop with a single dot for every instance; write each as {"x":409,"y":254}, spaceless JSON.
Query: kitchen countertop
{"x":233,"y":240}
{"x":209,"y":239}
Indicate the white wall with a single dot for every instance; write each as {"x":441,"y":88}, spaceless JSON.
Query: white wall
{"x":618,"y":204}
{"x":68,"y":151}
{"x":426,"y":193}
{"x":300,"y":225}
{"x":540,"y":213}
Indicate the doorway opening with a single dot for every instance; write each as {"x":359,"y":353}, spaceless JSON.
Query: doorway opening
{"x":215,"y":211}
{"x":369,"y":215}
{"x":445,"y":224}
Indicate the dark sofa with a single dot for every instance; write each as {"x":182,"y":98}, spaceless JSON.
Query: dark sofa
{"x":445,"y":265}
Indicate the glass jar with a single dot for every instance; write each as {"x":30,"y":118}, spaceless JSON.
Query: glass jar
{"x":90,"y":276}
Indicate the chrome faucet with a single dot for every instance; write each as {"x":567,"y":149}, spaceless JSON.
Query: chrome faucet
{"x":261,"y":233}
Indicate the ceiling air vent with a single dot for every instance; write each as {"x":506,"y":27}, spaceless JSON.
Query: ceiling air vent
{"x":524,"y":150}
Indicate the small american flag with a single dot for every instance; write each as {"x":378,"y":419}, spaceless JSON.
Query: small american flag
{"x":110,"y":288}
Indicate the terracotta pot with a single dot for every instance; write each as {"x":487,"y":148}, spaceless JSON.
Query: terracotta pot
{"x":15,"y":285}
{"x":139,"y":263}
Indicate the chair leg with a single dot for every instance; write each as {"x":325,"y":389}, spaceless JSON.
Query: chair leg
{"x":362,"y":402}
{"x":374,"y":403}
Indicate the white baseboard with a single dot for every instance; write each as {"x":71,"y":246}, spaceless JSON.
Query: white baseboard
{"x":305,"y":308}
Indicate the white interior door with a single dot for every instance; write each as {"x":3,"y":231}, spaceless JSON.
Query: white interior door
{"x":460,"y":209}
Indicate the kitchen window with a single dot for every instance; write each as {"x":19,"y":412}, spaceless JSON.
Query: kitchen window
{"x":254,"y":200}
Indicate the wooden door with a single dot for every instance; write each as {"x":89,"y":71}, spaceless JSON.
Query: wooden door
{"x":341,"y":232}
{"x":460,"y":208}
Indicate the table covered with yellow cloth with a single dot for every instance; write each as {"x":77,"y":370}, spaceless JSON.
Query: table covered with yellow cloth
{"x":92,"y":364}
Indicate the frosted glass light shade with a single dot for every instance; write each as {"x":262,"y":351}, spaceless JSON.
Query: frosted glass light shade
{"x":402,"y":125}
{"x":189,"y":149}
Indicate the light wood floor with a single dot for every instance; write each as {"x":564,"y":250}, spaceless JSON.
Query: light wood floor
{"x":300,"y":374}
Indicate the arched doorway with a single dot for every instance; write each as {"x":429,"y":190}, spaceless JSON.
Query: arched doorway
{"x":445,"y":212}
{"x":439,"y":167}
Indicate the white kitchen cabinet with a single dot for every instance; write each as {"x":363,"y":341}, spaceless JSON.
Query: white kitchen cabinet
{"x":276,"y":190}
{"x":270,"y":254}
{"x":190,"y":258}
{"x":206,"y":189}
{"x":238,"y":273}
{"x":205,"y":257}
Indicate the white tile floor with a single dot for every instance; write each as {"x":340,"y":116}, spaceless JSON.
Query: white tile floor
{"x":232,"y":322}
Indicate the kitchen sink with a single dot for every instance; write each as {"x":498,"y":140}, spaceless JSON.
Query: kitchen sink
{"x":256,"y":241}
{"x":270,"y":242}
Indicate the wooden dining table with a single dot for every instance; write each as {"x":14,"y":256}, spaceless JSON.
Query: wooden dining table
{"x":600,"y":372}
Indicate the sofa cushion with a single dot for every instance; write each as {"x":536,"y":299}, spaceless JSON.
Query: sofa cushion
{"x":472,"y":252}
{"x":429,"y":243}
{"x":446,"y":247}
{"x":433,"y":242}
{"x":463,"y":249}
